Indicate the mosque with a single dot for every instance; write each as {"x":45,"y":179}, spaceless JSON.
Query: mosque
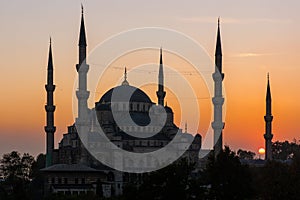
{"x":72,"y":169}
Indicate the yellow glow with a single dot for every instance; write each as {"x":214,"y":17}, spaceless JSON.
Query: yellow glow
{"x":261,"y":151}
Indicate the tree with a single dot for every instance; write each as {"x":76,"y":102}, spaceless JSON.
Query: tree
{"x":13,"y":166}
{"x":247,"y":155}
{"x":16,"y":170}
{"x":37,"y":183}
{"x":284,"y":150}
{"x":229,"y":179}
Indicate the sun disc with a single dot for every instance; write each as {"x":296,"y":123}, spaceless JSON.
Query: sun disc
{"x":261,"y":151}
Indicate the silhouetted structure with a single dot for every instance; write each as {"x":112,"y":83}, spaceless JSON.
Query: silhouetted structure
{"x":50,"y":108}
{"x":268,"y":119}
{"x":82,"y":94}
{"x":161,"y":93}
{"x":218,"y":99}
{"x":74,"y":170}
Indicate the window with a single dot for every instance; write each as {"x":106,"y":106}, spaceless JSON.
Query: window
{"x":138,"y":107}
{"x":59,"y":180}
{"x":53,"y":180}
{"x":83,"y":181}
{"x":76,"y":180}
{"x":66,"y":180}
{"x":131,"y":107}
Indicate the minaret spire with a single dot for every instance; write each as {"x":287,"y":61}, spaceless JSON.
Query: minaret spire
{"x":268,"y":120}
{"x":161,"y":93}
{"x":50,"y":108}
{"x":82,"y":40}
{"x":218,"y":53}
{"x":50,"y":61}
{"x":218,"y":98}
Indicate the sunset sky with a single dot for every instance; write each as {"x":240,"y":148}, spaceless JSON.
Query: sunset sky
{"x":257,"y":37}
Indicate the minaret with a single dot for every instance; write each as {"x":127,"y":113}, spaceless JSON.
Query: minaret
{"x":82,"y":122}
{"x":218,"y":99}
{"x":161,"y":93}
{"x":268,"y":119}
{"x":50,"y":108}
{"x":82,"y":69}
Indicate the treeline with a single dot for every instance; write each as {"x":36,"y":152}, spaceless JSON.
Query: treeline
{"x":223,"y":178}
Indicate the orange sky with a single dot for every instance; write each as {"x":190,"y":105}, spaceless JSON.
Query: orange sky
{"x":257,"y":38}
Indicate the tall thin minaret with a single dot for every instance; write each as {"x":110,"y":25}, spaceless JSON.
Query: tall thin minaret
{"x":218,"y":99}
{"x":82,"y":68}
{"x":268,"y":119}
{"x":50,"y":108}
{"x":82,"y":121}
{"x":160,"y":92}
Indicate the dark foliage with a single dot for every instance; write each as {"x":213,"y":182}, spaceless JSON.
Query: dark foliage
{"x":284,"y":150}
{"x":246,"y":155}
{"x":228,"y":178}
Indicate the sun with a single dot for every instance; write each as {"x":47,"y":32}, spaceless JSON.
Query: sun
{"x":261,"y":151}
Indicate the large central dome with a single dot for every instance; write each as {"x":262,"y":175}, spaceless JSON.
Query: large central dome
{"x":122,"y":92}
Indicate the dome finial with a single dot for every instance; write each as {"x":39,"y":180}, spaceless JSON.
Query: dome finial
{"x":125,"y":82}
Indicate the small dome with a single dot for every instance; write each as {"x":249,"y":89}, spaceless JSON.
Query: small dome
{"x":168,"y":109}
{"x":122,"y":92}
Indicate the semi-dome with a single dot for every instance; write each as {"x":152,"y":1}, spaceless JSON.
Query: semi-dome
{"x":122,"y":93}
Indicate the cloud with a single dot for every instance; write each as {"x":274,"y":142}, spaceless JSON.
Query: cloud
{"x":228,"y":20}
{"x":249,"y":54}
{"x":208,"y":20}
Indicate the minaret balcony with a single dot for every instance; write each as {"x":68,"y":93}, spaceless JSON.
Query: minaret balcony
{"x":268,"y":136}
{"x":218,"y":100}
{"x":268,"y":118}
{"x":82,"y":68}
{"x":82,"y":94}
{"x":217,"y":125}
{"x":50,"y":108}
{"x":161,"y":94}
{"x":50,"y":88}
{"x":217,"y":76}
{"x":50,"y":129}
